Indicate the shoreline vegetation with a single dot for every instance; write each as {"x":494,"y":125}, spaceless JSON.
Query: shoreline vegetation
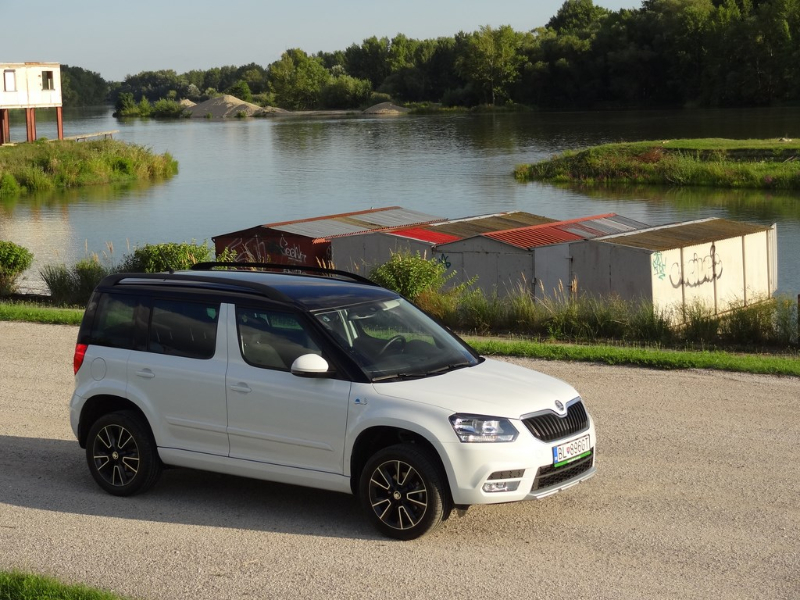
{"x":786,"y":363}
{"x":709,"y":162}
{"x":60,"y":165}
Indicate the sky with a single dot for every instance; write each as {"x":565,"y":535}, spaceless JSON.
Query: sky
{"x":116,"y":39}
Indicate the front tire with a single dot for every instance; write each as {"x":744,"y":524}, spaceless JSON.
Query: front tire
{"x":404,"y":492}
{"x":121,"y":454}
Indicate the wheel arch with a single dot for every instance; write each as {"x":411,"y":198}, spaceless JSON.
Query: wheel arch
{"x":103,"y":404}
{"x":377,"y":438}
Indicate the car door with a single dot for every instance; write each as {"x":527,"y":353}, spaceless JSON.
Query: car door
{"x":273,"y":416}
{"x":179,"y":371}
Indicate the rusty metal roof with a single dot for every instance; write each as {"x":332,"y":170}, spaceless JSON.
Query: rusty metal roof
{"x":471,"y":226}
{"x":425,"y":234}
{"x":566,"y":231}
{"x":682,"y":235}
{"x":349,"y":223}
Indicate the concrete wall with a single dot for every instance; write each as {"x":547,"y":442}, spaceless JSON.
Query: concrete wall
{"x":603,"y":269}
{"x":21,"y":85}
{"x":552,"y":268}
{"x":360,"y":253}
{"x":499,"y":267}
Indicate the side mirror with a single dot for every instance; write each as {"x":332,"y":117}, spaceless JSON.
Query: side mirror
{"x":310,"y":365}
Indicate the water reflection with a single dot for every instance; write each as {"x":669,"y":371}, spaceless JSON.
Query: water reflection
{"x":238,"y":173}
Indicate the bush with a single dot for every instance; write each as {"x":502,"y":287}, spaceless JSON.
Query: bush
{"x":14,"y":260}
{"x":155,"y":258}
{"x":9,"y":186}
{"x":422,"y":281}
{"x":168,"y":109}
{"x":73,"y":286}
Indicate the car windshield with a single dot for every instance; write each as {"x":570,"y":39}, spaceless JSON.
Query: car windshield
{"x":393,"y":340}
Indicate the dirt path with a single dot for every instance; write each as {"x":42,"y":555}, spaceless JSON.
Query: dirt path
{"x":696,"y":497}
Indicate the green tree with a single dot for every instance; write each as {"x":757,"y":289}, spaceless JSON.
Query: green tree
{"x":297,"y":80}
{"x":80,"y":87}
{"x":576,"y":16}
{"x":241,"y":90}
{"x":491,"y":61}
{"x":345,"y":92}
{"x":370,"y":60}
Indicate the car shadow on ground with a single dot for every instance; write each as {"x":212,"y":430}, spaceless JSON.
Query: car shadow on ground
{"x":49,"y":474}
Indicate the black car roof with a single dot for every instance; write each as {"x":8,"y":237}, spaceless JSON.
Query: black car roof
{"x":310,"y":292}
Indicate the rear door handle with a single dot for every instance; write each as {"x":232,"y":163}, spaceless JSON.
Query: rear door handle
{"x":146,"y":373}
{"x":241,"y":387}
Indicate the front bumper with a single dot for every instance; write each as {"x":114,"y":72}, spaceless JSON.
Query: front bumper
{"x":526,"y":465}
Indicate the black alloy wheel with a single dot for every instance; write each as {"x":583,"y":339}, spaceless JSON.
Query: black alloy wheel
{"x":403,"y":492}
{"x":122,"y":455}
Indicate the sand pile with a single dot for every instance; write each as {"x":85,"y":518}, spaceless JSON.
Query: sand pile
{"x":227,"y":106}
{"x":386,"y":108}
{"x":186,"y":103}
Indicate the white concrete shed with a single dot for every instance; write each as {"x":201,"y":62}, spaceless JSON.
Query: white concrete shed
{"x":715,"y":262}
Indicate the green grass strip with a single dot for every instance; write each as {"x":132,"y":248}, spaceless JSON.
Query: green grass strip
{"x":22,"y":586}
{"x":33,"y":313}
{"x":642,"y":357}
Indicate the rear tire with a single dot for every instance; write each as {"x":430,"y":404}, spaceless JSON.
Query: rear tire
{"x":121,"y":454}
{"x":404,"y":492}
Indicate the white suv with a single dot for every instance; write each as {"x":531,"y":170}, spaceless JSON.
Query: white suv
{"x":321,"y":379}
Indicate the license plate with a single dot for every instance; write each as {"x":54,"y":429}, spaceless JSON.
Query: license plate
{"x":570,"y":451}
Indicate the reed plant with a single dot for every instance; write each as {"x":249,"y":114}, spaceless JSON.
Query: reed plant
{"x":44,"y":166}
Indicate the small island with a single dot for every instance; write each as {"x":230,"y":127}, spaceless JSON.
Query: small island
{"x":58,"y":165}
{"x":712,"y":162}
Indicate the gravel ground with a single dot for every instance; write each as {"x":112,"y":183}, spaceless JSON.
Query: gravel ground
{"x":696,"y":497}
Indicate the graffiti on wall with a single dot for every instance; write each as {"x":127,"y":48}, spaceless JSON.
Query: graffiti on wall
{"x":659,"y":265}
{"x":292,"y":252}
{"x":698,"y":270}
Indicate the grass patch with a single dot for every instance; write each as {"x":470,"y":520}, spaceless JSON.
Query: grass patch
{"x":22,"y":586}
{"x":38,"y":313}
{"x":746,"y":164}
{"x":60,"y":165}
{"x":642,"y":357}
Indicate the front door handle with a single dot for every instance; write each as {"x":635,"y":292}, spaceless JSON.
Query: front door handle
{"x":146,"y":373}
{"x":241,"y":387}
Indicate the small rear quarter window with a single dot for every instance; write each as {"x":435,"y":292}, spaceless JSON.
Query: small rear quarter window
{"x":113,"y":323}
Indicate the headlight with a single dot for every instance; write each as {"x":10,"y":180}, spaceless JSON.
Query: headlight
{"x":476,"y":428}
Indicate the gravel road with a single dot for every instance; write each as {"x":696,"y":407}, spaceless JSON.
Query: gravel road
{"x":697,"y":496}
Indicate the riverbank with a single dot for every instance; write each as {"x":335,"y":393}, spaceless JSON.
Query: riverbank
{"x":711,"y":162}
{"x":60,"y":165}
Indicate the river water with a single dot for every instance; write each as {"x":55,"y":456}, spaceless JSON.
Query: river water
{"x":239,"y":173}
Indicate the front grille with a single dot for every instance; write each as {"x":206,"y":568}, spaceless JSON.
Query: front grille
{"x":549,"y":426}
{"x":553,"y":476}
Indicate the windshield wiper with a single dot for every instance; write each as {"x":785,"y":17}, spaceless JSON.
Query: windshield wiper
{"x":448,"y":368}
{"x":399,"y":377}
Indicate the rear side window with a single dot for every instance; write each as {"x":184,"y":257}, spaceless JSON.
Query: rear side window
{"x":113,"y":323}
{"x":187,"y":329}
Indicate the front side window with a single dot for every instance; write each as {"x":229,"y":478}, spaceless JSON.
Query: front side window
{"x":114,"y":321}
{"x":47,"y":80}
{"x":187,"y":329}
{"x":271,"y":339}
{"x":392,"y":339}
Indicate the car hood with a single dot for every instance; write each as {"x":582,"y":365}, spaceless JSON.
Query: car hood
{"x":490,"y":388}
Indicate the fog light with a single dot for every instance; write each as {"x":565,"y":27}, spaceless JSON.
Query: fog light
{"x":500,"y":486}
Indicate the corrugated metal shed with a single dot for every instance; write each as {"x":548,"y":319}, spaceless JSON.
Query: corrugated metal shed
{"x":682,"y":235}
{"x":571,"y":230}
{"x":456,"y":229}
{"x":467,"y":227}
{"x":425,"y":234}
{"x":346,"y":223}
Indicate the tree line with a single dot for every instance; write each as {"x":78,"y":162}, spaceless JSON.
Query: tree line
{"x":667,"y":53}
